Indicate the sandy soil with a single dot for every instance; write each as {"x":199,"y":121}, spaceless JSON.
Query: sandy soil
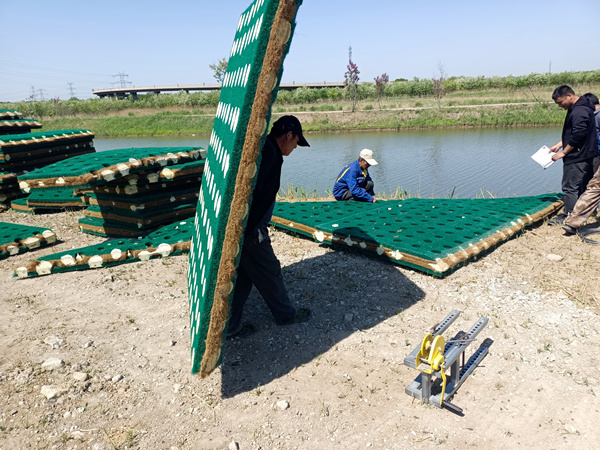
{"x":337,"y":381}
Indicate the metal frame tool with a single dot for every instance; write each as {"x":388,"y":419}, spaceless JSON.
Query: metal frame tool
{"x":434,"y":356}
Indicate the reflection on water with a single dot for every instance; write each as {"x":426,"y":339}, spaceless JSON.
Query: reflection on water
{"x":425,"y":163}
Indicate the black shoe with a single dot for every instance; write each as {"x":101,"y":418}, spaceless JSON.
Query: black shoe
{"x":302,"y":315}
{"x":557,"y":220}
{"x":242,"y":331}
{"x":569,"y":230}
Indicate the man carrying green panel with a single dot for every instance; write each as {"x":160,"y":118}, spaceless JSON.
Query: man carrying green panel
{"x":258,"y":264}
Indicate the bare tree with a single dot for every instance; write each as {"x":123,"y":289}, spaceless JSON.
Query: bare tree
{"x":219,"y":69}
{"x":438,"y":84}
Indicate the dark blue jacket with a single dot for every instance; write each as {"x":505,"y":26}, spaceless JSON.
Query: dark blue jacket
{"x":579,"y":130}
{"x":352,"y":178}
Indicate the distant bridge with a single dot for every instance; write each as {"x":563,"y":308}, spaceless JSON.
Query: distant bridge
{"x":125,"y":92}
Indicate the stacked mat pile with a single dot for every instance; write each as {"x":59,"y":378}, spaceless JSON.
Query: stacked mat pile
{"x":140,"y":202}
{"x":432,"y":235}
{"x":12,"y":122}
{"x":9,"y":189}
{"x":170,"y":240}
{"x":15,"y":239}
{"x":20,"y":153}
{"x":128,"y":191}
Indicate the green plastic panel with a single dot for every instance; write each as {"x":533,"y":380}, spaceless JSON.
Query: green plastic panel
{"x":249,"y":88}
{"x":15,"y":238}
{"x":19,"y":142}
{"x":100,"y":168}
{"x":432,"y":235}
{"x":170,"y":240}
{"x":10,"y":114}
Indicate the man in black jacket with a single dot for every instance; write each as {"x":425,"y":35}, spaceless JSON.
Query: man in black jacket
{"x":578,"y":146}
{"x":258,"y":264}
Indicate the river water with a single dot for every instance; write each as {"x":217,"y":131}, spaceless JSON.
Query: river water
{"x":436,"y":163}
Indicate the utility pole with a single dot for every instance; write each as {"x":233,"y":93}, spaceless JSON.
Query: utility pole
{"x":41,"y":94}
{"x":33,"y":94}
{"x":71,"y":90}
{"x":122,"y":79}
{"x":550,"y":67}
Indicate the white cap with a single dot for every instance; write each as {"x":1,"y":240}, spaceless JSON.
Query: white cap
{"x":367,"y":155}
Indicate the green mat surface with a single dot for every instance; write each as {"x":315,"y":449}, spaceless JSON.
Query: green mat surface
{"x":10,"y":114}
{"x":15,"y":143}
{"x":100,"y":168}
{"x":249,"y":88}
{"x":15,"y":238}
{"x":18,"y":126}
{"x":170,"y":240}
{"x":432,"y":235}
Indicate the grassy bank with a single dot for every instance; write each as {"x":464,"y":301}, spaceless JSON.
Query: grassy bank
{"x":469,"y":102}
{"x":174,"y":123}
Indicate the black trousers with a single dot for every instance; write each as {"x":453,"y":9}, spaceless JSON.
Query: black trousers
{"x":574,"y":181}
{"x":260,"y":267}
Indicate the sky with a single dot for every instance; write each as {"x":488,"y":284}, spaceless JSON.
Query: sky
{"x":97,"y":44}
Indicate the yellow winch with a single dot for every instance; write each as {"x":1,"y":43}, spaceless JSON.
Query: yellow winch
{"x":435,"y":355}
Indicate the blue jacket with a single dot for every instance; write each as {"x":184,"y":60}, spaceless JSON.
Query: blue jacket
{"x":352,"y":178}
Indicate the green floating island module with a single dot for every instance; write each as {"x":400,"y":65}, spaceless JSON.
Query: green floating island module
{"x":131,"y":191}
{"x":431,"y":235}
{"x":15,"y":238}
{"x":170,"y":240}
{"x":21,"y":153}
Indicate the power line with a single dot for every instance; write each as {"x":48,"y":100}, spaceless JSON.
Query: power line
{"x":71,"y":90}
{"x":122,"y":79}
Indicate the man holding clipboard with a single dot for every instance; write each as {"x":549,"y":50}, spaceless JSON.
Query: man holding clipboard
{"x":578,"y":146}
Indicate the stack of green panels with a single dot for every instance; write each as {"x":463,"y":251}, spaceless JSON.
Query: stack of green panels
{"x":21,"y":153}
{"x":249,"y":88}
{"x":140,"y":202}
{"x":54,"y":186}
{"x":18,"y":126}
{"x":15,"y":238}
{"x":170,"y":240}
{"x":432,"y":235}
{"x":10,"y":114}
{"x":9,"y":189}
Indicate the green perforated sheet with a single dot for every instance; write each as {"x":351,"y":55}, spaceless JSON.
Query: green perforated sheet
{"x":50,"y":154}
{"x":100,"y":168}
{"x":432,"y":235}
{"x":14,"y":143}
{"x":15,"y":238}
{"x":18,"y":126}
{"x":249,"y":88}
{"x":10,"y":114}
{"x":170,"y":240}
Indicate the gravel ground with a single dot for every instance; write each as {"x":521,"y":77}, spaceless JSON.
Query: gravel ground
{"x":99,"y":359}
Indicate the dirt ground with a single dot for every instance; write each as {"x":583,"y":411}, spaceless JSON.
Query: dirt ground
{"x":99,"y":359}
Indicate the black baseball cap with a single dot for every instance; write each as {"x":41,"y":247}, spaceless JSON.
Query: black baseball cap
{"x":290,"y":123}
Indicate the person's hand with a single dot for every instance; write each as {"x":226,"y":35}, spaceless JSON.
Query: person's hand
{"x":555,"y":148}
{"x":374,"y":201}
{"x":558,"y":156}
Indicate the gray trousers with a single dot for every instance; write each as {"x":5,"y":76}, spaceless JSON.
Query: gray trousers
{"x":574,"y":181}
{"x":260,"y":267}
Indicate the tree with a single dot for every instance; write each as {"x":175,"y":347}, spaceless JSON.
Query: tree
{"x":219,"y":69}
{"x":438,"y":84}
{"x":351,"y":79}
{"x":380,"y":83}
